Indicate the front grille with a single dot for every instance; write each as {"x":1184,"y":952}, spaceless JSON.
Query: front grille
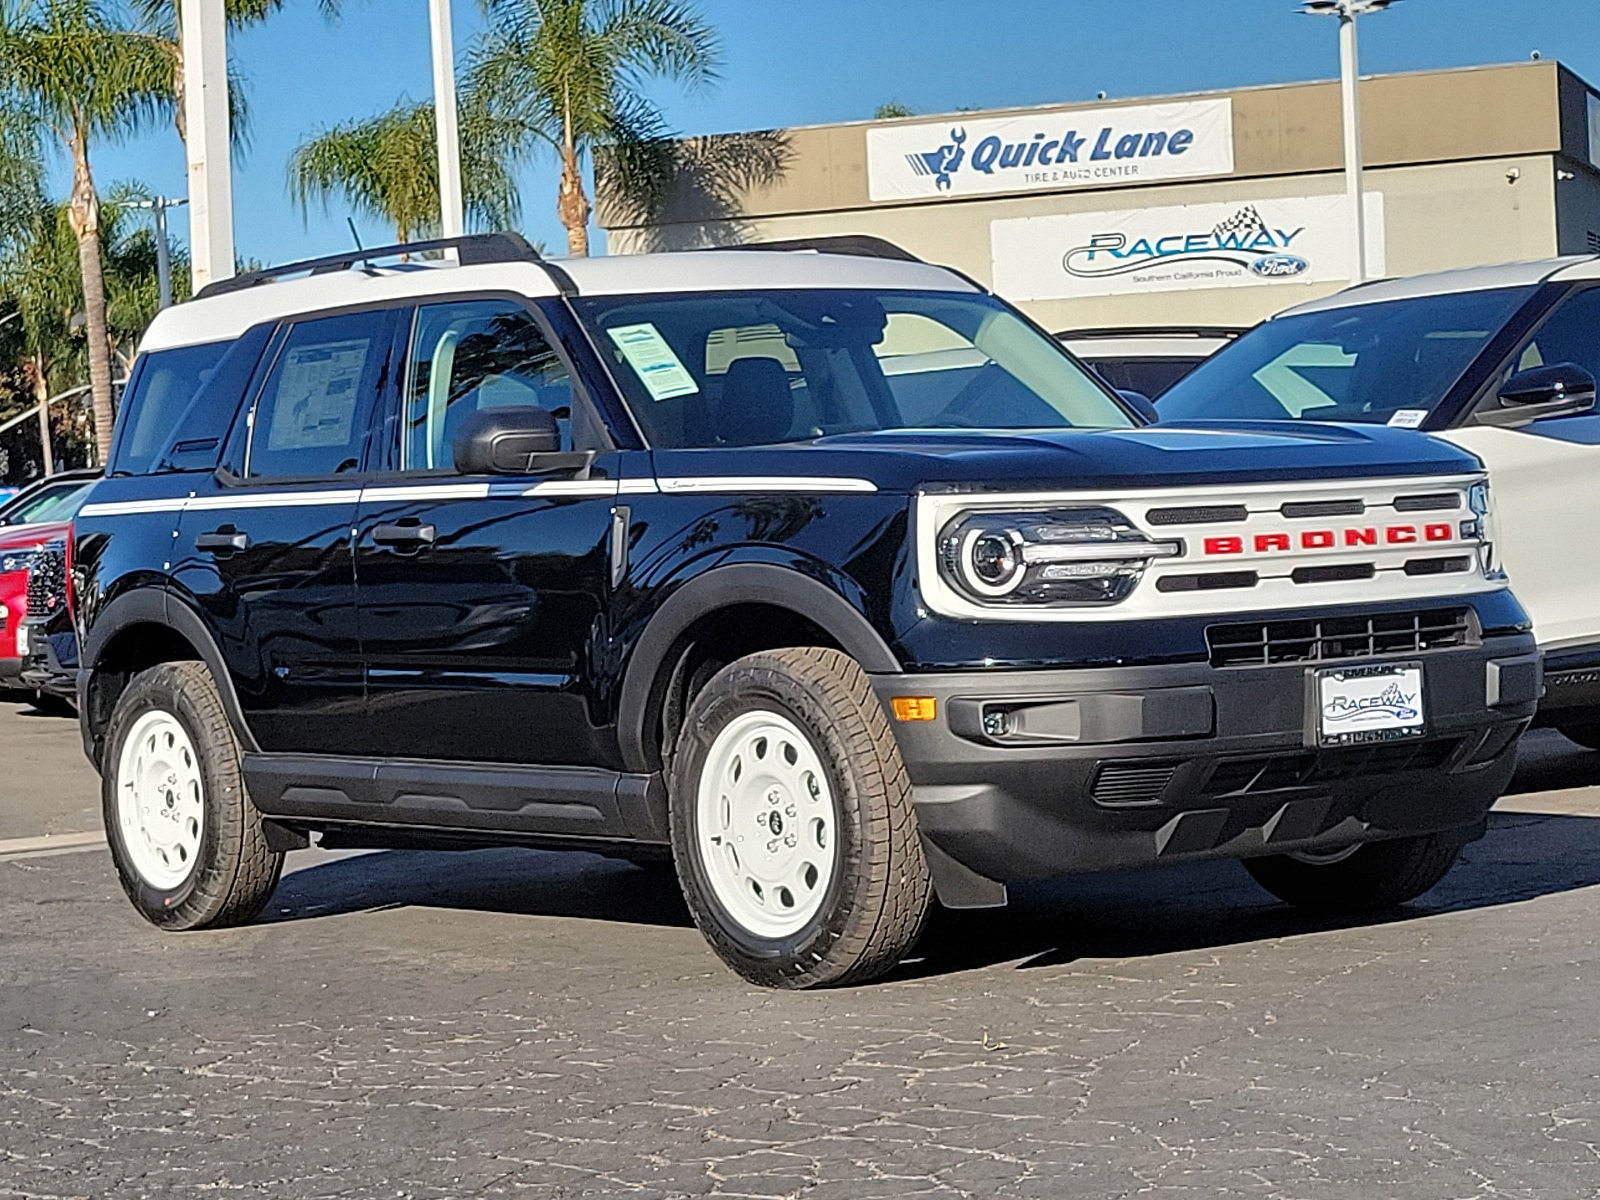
{"x":47,"y":579}
{"x":1198,"y":514}
{"x":1120,"y":785}
{"x":1249,"y":776}
{"x":1334,"y":638}
{"x":1299,"y":510}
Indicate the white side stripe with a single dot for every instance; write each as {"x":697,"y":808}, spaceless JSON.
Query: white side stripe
{"x":422,"y":493}
{"x":764,"y":483}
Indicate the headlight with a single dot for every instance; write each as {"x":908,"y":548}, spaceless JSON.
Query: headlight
{"x":17,"y":560}
{"x":1057,"y":557}
{"x":1482,"y":526}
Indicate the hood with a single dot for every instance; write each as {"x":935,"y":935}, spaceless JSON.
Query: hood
{"x":1194,"y":454}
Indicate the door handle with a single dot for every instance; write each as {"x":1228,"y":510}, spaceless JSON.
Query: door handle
{"x":405,"y":536}
{"x":223,"y":541}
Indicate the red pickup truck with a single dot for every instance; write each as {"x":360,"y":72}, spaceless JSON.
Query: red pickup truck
{"x":27,"y":521}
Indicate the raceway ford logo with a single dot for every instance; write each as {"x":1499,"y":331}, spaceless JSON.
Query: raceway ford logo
{"x":1391,"y":702}
{"x":1243,"y":240}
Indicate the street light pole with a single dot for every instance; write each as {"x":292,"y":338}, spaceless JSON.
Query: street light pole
{"x":1350,"y":95}
{"x":159,"y":206}
{"x":452,"y":211}
{"x":205,"y":106}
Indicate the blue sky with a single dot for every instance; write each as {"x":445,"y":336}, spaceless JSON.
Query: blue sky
{"x":792,"y":63}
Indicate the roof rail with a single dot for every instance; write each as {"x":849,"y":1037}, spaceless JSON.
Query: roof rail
{"x":1133,"y":331}
{"x":862,"y":245}
{"x":472,"y":249}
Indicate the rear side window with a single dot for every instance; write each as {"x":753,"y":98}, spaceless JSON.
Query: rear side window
{"x":312,"y":414}
{"x":166,"y":381}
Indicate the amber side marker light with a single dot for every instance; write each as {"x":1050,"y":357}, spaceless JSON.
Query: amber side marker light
{"x":915,"y":708}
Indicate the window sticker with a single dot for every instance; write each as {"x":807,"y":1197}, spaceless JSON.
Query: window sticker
{"x":653,"y":361}
{"x":1409,"y":418}
{"x":317,"y":395}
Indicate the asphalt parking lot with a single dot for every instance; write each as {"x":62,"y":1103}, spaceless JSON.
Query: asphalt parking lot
{"x":512,"y":1023}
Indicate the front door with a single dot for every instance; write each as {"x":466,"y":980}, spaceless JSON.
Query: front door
{"x":1545,"y":478}
{"x":483,"y":599}
{"x":265,"y":548}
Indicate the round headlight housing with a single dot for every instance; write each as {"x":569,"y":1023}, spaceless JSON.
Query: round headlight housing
{"x":1056,"y":557}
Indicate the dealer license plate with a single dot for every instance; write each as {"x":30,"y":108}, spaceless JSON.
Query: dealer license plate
{"x":22,"y":641}
{"x":1369,"y":704}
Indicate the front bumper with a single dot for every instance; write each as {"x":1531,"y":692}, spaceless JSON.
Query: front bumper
{"x":51,"y":662}
{"x":1119,"y":767}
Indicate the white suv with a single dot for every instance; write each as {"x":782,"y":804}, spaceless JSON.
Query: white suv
{"x":1501,"y":361}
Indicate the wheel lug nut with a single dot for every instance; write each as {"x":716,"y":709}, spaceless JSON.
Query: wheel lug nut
{"x":774,"y":796}
{"x":790,"y":841}
{"x":789,"y":810}
{"x":772,"y":846}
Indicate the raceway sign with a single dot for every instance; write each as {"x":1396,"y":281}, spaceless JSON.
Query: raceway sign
{"x":1051,"y":151}
{"x":1304,"y":239}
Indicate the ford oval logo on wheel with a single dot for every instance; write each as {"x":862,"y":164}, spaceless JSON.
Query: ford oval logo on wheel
{"x":1278,"y":266}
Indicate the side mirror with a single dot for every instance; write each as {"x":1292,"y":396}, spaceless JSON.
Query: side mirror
{"x":1561,"y":390}
{"x":1140,"y":403}
{"x":505,"y":441}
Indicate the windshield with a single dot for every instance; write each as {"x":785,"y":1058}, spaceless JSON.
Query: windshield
{"x":753,"y":368}
{"x":1364,"y":362}
{"x":57,"y":502}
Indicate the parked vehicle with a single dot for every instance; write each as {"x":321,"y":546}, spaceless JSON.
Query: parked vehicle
{"x":1500,"y":361}
{"x":830,"y":577}
{"x":1145,"y":360}
{"x":53,"y":498}
{"x":46,"y":640}
{"x":49,"y":506}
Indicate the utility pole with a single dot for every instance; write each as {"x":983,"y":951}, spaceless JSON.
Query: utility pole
{"x":452,"y":212}
{"x":159,"y":206}
{"x":1350,"y":95}
{"x":205,"y":83}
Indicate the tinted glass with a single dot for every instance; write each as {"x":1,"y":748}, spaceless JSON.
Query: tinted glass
{"x":166,"y":382}
{"x":1149,"y":376}
{"x":471,"y":356}
{"x":311,"y":416}
{"x":1364,"y":362}
{"x":1570,"y":335}
{"x":751,"y":368}
{"x":56,"y":502}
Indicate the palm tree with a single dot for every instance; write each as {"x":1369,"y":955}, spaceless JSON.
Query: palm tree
{"x":160,"y":18}
{"x":81,"y":77}
{"x":568,"y":74}
{"x":387,"y":167}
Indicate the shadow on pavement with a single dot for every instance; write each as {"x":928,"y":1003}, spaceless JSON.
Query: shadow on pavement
{"x":1121,"y":915}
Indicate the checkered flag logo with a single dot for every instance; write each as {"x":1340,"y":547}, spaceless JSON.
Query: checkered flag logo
{"x":1245,"y":224}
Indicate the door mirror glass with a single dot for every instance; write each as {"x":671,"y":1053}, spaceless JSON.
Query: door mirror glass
{"x":1552,"y":391}
{"x":505,"y":441}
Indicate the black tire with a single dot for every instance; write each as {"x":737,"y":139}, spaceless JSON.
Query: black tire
{"x":878,"y":899}
{"x":1378,"y":875}
{"x":234,"y":872}
{"x":1586,"y":735}
{"x":49,"y":705}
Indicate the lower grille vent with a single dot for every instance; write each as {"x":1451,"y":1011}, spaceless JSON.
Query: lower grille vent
{"x":1337,"y":638}
{"x":1120,"y":785}
{"x":1250,"y":775}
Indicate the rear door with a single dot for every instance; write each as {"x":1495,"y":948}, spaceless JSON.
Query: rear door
{"x":483,"y":599}
{"x":268,"y":539}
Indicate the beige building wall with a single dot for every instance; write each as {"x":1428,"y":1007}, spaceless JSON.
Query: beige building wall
{"x":1466,"y":160}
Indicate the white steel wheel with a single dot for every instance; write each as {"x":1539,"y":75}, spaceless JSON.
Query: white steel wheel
{"x":160,"y":800}
{"x":766,"y":827}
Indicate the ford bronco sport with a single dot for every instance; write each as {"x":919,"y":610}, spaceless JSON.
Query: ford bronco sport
{"x":828,"y":576}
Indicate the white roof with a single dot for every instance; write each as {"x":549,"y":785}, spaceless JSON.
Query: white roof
{"x":1464,"y":279}
{"x":230,"y":314}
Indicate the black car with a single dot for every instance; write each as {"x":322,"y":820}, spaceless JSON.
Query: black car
{"x":829,"y":576}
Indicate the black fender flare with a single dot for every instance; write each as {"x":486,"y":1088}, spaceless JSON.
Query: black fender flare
{"x":158,"y":606}
{"x":722,"y":587}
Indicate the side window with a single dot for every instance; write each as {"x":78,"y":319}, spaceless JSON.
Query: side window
{"x":473,"y":355}
{"x":1572,"y":334}
{"x":166,"y":382}
{"x":311,"y":415}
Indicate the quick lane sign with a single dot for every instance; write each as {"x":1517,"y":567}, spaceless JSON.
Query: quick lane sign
{"x":1301,"y":239}
{"x":1051,"y":151}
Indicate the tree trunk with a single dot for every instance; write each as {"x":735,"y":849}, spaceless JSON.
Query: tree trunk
{"x":41,"y":396}
{"x":84,"y":212}
{"x":572,"y":206}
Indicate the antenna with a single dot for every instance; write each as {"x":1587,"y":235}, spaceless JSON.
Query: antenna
{"x":356,"y":237}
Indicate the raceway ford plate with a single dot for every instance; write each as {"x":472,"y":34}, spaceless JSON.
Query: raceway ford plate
{"x":1369,"y":704}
